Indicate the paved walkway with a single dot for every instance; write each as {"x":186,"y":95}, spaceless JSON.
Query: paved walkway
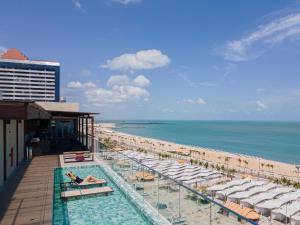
{"x":27,"y":199}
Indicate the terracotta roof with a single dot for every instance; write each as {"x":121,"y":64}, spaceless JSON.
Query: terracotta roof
{"x":15,"y":54}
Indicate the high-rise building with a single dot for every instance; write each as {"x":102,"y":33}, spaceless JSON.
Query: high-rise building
{"x":25,"y":79}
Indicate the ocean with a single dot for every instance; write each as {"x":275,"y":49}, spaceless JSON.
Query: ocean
{"x":279,"y":141}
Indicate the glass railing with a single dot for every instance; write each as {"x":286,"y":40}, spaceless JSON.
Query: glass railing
{"x":176,"y":202}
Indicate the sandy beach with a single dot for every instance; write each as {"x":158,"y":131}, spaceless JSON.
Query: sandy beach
{"x":243,"y":163}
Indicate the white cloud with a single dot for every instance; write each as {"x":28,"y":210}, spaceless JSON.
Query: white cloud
{"x":78,"y":5}
{"x":190,"y":101}
{"x":145,"y":59}
{"x":141,"y":81}
{"x":74,"y":85}
{"x":121,"y":88}
{"x":86,"y":72}
{"x":266,"y":34}
{"x":89,"y":85}
{"x":198,"y":101}
{"x":118,"y":80}
{"x":280,"y":100}
{"x":78,"y":84}
{"x":261,"y":106}
{"x":127,"y":2}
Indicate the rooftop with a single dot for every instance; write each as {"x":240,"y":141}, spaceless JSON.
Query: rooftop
{"x":14,"y":55}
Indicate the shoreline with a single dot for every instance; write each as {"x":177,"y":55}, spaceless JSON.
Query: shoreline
{"x":241,"y":162}
{"x":201,"y":147}
{"x":276,"y":142}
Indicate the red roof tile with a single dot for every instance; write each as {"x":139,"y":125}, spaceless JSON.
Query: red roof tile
{"x":15,"y":54}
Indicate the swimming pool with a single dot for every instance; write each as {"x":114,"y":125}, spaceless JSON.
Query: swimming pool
{"x":113,"y":209}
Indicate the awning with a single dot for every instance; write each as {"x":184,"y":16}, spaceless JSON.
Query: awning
{"x":22,"y":110}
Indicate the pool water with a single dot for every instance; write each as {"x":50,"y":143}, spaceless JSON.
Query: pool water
{"x":113,"y":209}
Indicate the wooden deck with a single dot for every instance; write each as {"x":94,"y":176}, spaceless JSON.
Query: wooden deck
{"x":27,"y":198}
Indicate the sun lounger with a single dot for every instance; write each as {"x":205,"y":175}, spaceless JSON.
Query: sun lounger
{"x":82,"y":184}
{"x":75,"y":152}
{"x":78,"y":156}
{"x":85,"y":192}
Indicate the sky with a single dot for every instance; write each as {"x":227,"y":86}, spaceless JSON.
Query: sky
{"x":166,"y":59}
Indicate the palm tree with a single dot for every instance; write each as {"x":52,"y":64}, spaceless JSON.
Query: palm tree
{"x":246,"y":163}
{"x":230,"y":173}
{"x":272,"y":167}
{"x":267,"y":165}
{"x":240,"y":161}
{"x":298,"y":169}
{"x":227,"y":159}
{"x":262,"y":166}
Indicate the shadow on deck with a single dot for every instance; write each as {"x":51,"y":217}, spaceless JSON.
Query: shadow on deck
{"x":27,"y":195}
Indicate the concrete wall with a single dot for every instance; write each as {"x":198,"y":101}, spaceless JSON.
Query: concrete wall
{"x":1,"y":154}
{"x":11,"y":144}
{"x":21,"y":145}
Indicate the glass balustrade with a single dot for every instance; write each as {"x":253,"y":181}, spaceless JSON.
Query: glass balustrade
{"x":178,"y":203}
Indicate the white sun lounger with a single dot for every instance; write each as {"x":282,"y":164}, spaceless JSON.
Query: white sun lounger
{"x":265,"y":207}
{"x":254,"y":200}
{"x":256,"y":190}
{"x":84,"y":192}
{"x":286,"y":210}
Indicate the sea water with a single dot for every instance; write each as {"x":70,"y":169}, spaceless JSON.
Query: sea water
{"x":278,"y":141}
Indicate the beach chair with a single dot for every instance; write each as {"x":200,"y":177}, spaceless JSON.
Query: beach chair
{"x":85,"y":192}
{"x":72,"y":184}
{"x":78,"y":156}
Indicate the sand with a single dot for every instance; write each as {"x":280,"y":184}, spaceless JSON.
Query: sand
{"x":245,"y":164}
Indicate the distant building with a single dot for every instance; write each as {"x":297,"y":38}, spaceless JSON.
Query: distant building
{"x":25,"y":79}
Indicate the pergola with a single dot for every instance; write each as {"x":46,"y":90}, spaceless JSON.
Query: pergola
{"x":81,"y":122}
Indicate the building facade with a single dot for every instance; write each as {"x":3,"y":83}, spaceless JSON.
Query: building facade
{"x":40,"y":128}
{"x":24,"y":79}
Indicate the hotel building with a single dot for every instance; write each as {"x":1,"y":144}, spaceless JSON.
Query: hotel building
{"x":25,"y":79}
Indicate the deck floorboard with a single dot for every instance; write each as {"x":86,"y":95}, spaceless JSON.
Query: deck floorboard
{"x":27,"y":197}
